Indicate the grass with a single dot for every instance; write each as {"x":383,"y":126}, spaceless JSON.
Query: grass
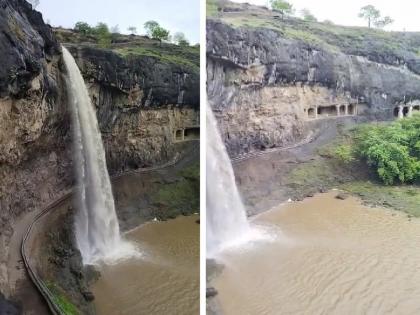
{"x":211,"y":7}
{"x":62,"y":301}
{"x":331,"y":37}
{"x":405,"y":198}
{"x":175,"y":56}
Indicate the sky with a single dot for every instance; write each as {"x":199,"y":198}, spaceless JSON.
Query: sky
{"x":344,"y":12}
{"x":176,"y":16}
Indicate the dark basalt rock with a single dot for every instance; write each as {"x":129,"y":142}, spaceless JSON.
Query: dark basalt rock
{"x":25,"y":40}
{"x":161,"y":83}
{"x":342,"y":196}
{"x":8,"y":308}
{"x":211,"y":292}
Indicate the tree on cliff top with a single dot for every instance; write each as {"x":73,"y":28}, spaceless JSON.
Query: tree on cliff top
{"x":103,"y":35}
{"x":132,"y":30}
{"x":373,"y":16}
{"x":155,"y":31}
{"x":307,"y":15}
{"x":180,"y":39}
{"x":83,"y":28}
{"x":284,"y":7}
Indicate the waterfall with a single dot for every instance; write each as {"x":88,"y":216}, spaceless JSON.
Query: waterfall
{"x":227,"y":222}
{"x":96,"y":223}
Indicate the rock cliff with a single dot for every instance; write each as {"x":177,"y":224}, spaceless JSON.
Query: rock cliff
{"x":147,"y":103}
{"x":272,"y":80}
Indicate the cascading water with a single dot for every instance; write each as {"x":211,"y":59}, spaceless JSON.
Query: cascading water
{"x":97,"y":230}
{"x":226,"y":216}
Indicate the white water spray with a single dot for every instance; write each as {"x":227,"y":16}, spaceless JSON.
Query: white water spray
{"x":97,"y":230}
{"x":227,"y":223}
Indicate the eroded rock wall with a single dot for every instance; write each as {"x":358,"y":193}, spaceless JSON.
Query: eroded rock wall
{"x":34,"y":162}
{"x":264,"y":86}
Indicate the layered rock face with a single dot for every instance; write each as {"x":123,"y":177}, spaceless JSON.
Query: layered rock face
{"x":34,"y":163}
{"x":141,"y":103}
{"x":271,"y":83}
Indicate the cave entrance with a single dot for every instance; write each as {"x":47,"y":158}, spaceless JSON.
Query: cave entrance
{"x":311,"y":113}
{"x":327,"y":111}
{"x":416,"y":107}
{"x":192,"y":133}
{"x":396,"y":111}
{"x":351,"y":109}
{"x":342,"y":110}
{"x":179,"y":135}
{"x":405,"y":111}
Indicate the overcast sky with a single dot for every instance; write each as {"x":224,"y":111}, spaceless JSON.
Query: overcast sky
{"x":178,"y":15}
{"x":404,"y":12}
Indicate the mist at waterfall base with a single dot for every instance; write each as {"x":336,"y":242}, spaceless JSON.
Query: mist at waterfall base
{"x":227,"y":223}
{"x":96,"y":224}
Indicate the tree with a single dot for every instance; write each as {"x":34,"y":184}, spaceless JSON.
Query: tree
{"x":103,"y":35}
{"x":83,"y":28}
{"x":115,"y":29}
{"x":369,"y":13}
{"x":307,"y":15}
{"x":383,"y":22}
{"x":284,"y":7}
{"x":149,"y":26}
{"x":180,"y":39}
{"x":132,"y":30}
{"x":155,"y":31}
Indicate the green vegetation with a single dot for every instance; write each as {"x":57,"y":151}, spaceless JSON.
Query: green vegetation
{"x":155,"y":31}
{"x":308,"y":16}
{"x":83,"y":28}
{"x":373,"y":16}
{"x":183,"y":194}
{"x":361,"y":41}
{"x":284,"y":7}
{"x":180,"y":39}
{"x":185,"y":56}
{"x":62,"y":301}
{"x":211,"y":7}
{"x":404,"y":198}
{"x":100,"y":32}
{"x":393,"y":150}
{"x":363,"y":161}
{"x":103,"y":35}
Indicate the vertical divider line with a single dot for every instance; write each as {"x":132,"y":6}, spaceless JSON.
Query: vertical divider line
{"x":203,"y":133}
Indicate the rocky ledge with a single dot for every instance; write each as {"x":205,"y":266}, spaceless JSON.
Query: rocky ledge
{"x":273,"y":81}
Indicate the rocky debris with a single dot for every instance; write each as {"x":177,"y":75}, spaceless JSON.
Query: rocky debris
{"x":88,"y":295}
{"x":66,"y":269}
{"x":211,"y":292}
{"x":342,"y":196}
{"x":8,"y":308}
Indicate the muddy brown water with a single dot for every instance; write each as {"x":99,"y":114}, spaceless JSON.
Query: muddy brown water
{"x":329,"y":256}
{"x":165,"y":280}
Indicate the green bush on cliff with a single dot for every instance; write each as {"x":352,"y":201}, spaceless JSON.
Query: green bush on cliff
{"x":393,"y":150}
